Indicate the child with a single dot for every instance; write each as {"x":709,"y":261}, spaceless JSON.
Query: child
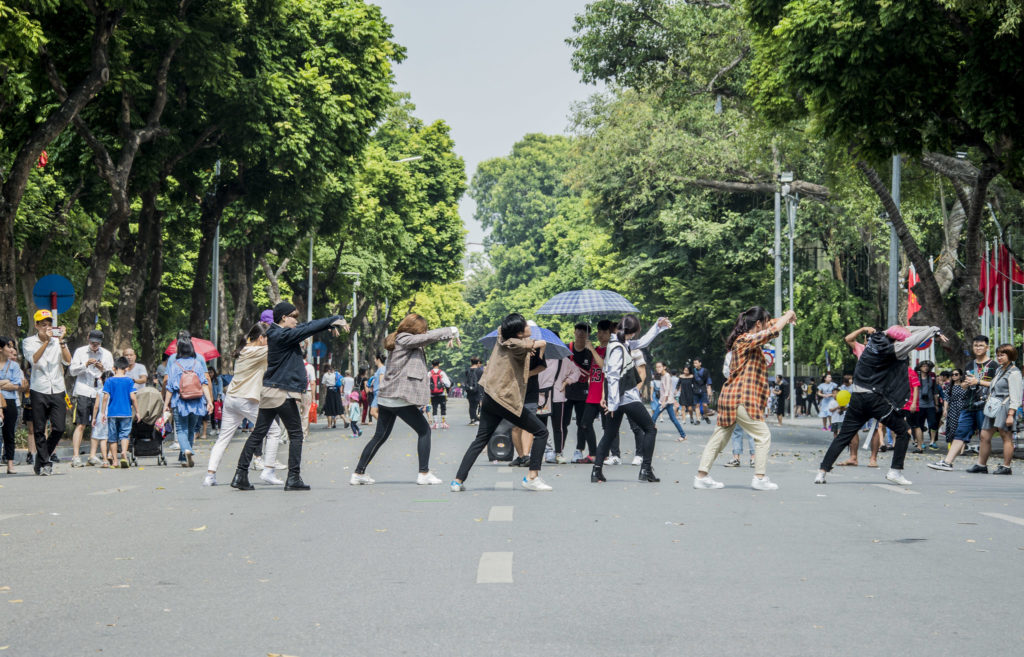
{"x":354,"y":413}
{"x":218,"y":414}
{"x":118,"y":409}
{"x":837,"y":409}
{"x":98,"y":439}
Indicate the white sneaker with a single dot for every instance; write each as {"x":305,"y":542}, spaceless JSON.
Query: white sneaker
{"x":820,"y":478}
{"x":706,"y":482}
{"x":210,"y":480}
{"x":613,"y":460}
{"x":549,"y":457}
{"x":427,"y":479}
{"x":456,"y":487}
{"x":360,"y":480}
{"x":280,"y":466}
{"x":577,"y":456}
{"x":257,"y":463}
{"x":94,"y":460}
{"x":638,"y":460}
{"x":76,"y":462}
{"x":764,"y":483}
{"x":896,"y":477}
{"x":560,"y":460}
{"x":535,"y":484}
{"x":268,"y":477}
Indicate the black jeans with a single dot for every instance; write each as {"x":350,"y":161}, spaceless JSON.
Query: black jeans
{"x":435,"y":401}
{"x":866,"y":406}
{"x":10,"y":424}
{"x":386,"y":415}
{"x":47,"y":408}
{"x":638,"y":437}
{"x":474,"y":406}
{"x":290,"y":414}
{"x":585,"y":416}
{"x":559,"y":425}
{"x":491,"y":415}
{"x":636,"y":412}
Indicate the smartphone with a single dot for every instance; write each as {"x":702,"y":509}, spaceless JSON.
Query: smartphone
{"x":57,"y":332}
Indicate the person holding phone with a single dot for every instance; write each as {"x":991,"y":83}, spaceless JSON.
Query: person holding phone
{"x":48,"y":355}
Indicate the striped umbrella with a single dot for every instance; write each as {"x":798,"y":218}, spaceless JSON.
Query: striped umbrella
{"x":587,"y":302}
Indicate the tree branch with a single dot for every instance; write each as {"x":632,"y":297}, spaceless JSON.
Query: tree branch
{"x":728,"y":67}
{"x":809,"y":190}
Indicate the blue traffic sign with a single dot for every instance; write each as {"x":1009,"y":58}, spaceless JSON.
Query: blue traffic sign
{"x":54,"y":287}
{"x":319,"y":350}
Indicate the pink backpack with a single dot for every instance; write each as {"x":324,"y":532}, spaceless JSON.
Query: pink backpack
{"x":189,"y":386}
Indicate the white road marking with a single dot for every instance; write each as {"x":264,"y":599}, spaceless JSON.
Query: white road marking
{"x":110,"y":491}
{"x":1001,"y":516}
{"x":503,"y":485}
{"x":8,"y":516}
{"x":902,"y":490}
{"x":500,"y":514}
{"x":494,"y":568}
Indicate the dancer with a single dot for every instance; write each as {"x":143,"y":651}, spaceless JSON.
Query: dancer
{"x":504,"y":392}
{"x":403,"y":392}
{"x":744,"y":396}
{"x":242,"y":402}
{"x":622,"y":397}
{"x":283,"y":385}
{"x":881,"y":387}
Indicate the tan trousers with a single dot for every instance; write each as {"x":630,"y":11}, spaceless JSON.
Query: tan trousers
{"x":307,"y":401}
{"x":758,"y":430}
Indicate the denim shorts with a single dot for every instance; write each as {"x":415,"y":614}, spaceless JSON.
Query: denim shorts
{"x":119,"y":428}
{"x":970,"y":421}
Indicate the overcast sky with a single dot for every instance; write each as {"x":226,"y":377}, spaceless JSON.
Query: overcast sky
{"x":494,"y":70}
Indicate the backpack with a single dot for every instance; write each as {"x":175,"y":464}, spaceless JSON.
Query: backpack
{"x":189,"y":385}
{"x":436,"y":382}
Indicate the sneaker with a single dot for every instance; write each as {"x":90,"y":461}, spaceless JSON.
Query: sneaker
{"x":94,"y":460}
{"x":46,"y":470}
{"x":280,"y":466}
{"x":613,"y":460}
{"x":76,"y":462}
{"x":976,"y":469}
{"x":456,"y":487}
{"x":589,"y":459}
{"x":1003,"y":470}
{"x":896,"y":477}
{"x":638,"y":460}
{"x":764,"y":483}
{"x":55,"y":458}
{"x":188,"y":459}
{"x":560,"y":460}
{"x":706,"y":482}
{"x":577,"y":457}
{"x":707,"y":420}
{"x":941,"y":465}
{"x":735,"y":463}
{"x":820,"y":478}
{"x":549,"y":457}
{"x":269,"y":477}
{"x":932,"y":445}
{"x":427,"y":479}
{"x":210,"y":480}
{"x":257,"y":463}
{"x":30,"y":459}
{"x":536,"y":484}
{"x":360,"y":479}
{"x":917,"y":450}
{"x":751,"y":462}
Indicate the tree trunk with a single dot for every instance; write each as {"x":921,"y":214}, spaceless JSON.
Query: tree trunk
{"x":239,"y":270}
{"x":149,"y":323}
{"x":136,"y":256}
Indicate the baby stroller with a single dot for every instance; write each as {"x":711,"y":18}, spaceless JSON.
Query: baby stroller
{"x":147,"y":439}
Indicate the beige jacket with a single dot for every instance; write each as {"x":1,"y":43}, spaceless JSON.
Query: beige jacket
{"x":249,"y":368}
{"x":507,"y":370}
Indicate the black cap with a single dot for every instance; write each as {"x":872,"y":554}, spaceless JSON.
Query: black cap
{"x":95,"y":336}
{"x":282,"y":309}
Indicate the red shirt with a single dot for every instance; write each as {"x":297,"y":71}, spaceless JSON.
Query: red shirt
{"x":915,"y":382}
{"x":596,"y":390}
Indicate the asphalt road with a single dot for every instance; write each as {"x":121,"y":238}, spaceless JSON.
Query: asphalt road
{"x":148,"y":562}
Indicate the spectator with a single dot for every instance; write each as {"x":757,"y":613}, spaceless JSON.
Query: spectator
{"x":332,"y":396}
{"x":439,"y":384}
{"x":48,"y":354}
{"x":188,"y":395}
{"x":136,"y":371}
{"x":377,"y":378}
{"x":702,"y":392}
{"x":87,"y":366}
{"x":10,"y":384}
{"x":118,"y":409}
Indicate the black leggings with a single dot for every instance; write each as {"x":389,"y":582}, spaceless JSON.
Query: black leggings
{"x":474,"y":406}
{"x":585,"y":416}
{"x":636,"y":412}
{"x":290,"y":415}
{"x":491,"y":415}
{"x":386,"y":422}
{"x":866,"y":406}
{"x":10,"y":424}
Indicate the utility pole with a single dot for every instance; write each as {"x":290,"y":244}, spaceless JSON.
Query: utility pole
{"x":894,"y":247}
{"x":777,"y":249}
{"x":309,"y":301}
{"x":215,"y":267}
{"x":354,"y":360}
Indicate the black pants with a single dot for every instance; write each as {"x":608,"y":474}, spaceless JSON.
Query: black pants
{"x":47,"y":408}
{"x":866,"y":406}
{"x":559,"y":425}
{"x":435,"y":401}
{"x":474,"y":406}
{"x":491,"y":415}
{"x":386,"y":422}
{"x":585,"y":416}
{"x":781,"y":405}
{"x":290,"y":414}
{"x":638,"y":437}
{"x":636,"y":412}
{"x":10,"y":424}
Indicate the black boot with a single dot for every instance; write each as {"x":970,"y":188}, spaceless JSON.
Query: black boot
{"x":241,"y":480}
{"x":295,"y":482}
{"x":597,"y":475}
{"x":647,"y":474}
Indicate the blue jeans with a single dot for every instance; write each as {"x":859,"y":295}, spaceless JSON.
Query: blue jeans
{"x":185,"y":429}
{"x":737,"y":442}
{"x":118,"y":429}
{"x":671,"y":412}
{"x":970,"y":421}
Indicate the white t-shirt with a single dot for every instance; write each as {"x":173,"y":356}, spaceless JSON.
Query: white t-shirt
{"x":310,"y":377}
{"x":837,"y":412}
{"x":329,"y":379}
{"x":134,"y":372}
{"x":349,"y":383}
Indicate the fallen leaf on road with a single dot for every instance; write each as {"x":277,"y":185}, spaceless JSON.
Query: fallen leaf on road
{"x":380,"y":531}
{"x":970,"y":540}
{"x":160,"y":488}
{"x":15,"y":602}
{"x":5,"y":588}
{"x":198,"y":529}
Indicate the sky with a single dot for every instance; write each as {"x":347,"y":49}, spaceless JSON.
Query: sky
{"x":494,"y":70}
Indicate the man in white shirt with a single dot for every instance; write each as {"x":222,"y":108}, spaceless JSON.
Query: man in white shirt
{"x":87,"y":366}
{"x":136,"y":371}
{"x":48,"y":354}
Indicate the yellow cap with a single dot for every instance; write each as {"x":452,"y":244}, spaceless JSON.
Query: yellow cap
{"x":43,"y":314}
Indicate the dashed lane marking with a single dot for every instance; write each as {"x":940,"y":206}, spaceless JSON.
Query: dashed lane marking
{"x":494,"y":568}
{"x":999,"y":516}
{"x":902,"y":490}
{"x":500,"y":514}
{"x":503,"y":485}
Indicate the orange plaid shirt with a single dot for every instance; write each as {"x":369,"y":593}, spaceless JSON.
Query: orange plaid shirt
{"x":748,"y":379}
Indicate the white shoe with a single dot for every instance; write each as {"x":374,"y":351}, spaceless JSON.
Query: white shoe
{"x":268,"y":477}
{"x":560,"y":460}
{"x":896,"y":477}
{"x":456,"y":487}
{"x":427,"y":479}
{"x":280,"y":466}
{"x":93,"y":460}
{"x":76,"y":462}
{"x":535,"y":484}
{"x":764,"y":483}
{"x":549,"y":457}
{"x":360,"y":480}
{"x":210,"y":480}
{"x":577,"y":456}
{"x":613,"y":460}
{"x":638,"y":460}
{"x":706,"y":482}
{"x":257,"y":463}
{"x":820,"y":478}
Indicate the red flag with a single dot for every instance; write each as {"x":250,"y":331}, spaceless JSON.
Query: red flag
{"x":912,"y":304}
{"x":43,"y":159}
{"x":983,"y":285}
{"x":993,"y":286}
{"x":1004,"y":278}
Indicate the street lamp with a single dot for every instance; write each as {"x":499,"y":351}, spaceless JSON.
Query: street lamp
{"x":355,"y":337}
{"x":791,"y":202}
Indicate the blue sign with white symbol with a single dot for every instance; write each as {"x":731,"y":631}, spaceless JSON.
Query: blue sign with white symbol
{"x":54,"y":287}
{"x":319,"y":350}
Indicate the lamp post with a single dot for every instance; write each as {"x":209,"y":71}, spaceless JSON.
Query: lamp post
{"x":894,"y":248}
{"x":215,"y":267}
{"x":355,"y":337}
{"x":791,"y":203}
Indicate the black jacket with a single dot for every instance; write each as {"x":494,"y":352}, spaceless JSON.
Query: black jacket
{"x":286,"y":367}
{"x":881,"y":371}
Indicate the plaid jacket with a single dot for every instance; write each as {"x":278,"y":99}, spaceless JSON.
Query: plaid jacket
{"x":406,"y":374}
{"x":748,"y":379}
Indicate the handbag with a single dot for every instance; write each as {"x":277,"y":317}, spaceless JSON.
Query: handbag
{"x":992,"y":404}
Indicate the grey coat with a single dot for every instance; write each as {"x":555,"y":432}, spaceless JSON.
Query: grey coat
{"x":406,"y":374}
